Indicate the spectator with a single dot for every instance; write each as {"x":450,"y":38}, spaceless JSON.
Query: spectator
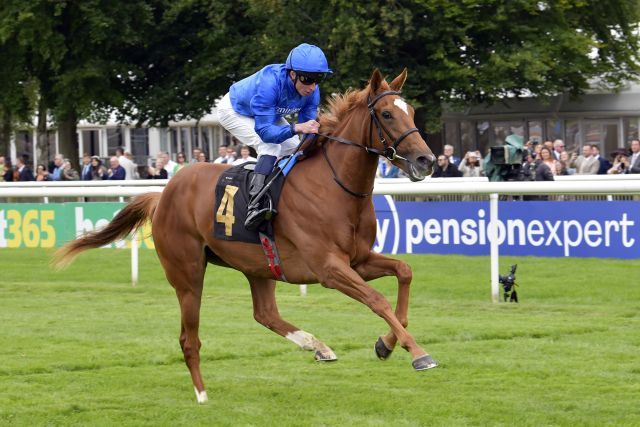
{"x":634,"y":162}
{"x":23,"y":171}
{"x":538,"y":170}
{"x":585,"y":164}
{"x":116,"y":172}
{"x":547,"y":158}
{"x":245,"y":156}
{"x":558,"y":148}
{"x":182,"y":162}
{"x":58,"y":162}
{"x":536,"y":149}
{"x":68,"y":172}
{"x":86,"y":167}
{"x":222,"y":155}
{"x":448,"y":151}
{"x":386,"y":169}
{"x":471,"y":165}
{"x":561,"y":168}
{"x":2,"y":168}
{"x":231,"y":154}
{"x":8,"y":171}
{"x":195,"y":155}
{"x":125,"y":163}
{"x":566,"y":159}
{"x":604,"y":164}
{"x":444,"y":169}
{"x":98,"y":171}
{"x":169,"y":165}
{"x":159,"y":171}
{"x":549,"y":145}
{"x":42,"y":174}
{"x":202,"y":158}
{"x":129,"y":156}
{"x":620,"y":162}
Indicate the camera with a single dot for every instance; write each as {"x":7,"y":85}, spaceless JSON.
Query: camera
{"x":509,"y":285}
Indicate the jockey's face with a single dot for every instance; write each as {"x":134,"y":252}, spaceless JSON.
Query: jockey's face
{"x":303,"y":90}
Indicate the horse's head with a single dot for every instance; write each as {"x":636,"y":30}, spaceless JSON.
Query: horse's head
{"x":394,"y":131}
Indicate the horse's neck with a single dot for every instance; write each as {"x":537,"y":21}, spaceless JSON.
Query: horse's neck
{"x":354,"y":167}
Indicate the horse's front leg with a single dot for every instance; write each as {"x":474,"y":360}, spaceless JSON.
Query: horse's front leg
{"x":265,"y":311}
{"x":335,"y":273}
{"x":377,"y":266}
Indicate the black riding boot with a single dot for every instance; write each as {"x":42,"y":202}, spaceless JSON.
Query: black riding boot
{"x":255,"y":215}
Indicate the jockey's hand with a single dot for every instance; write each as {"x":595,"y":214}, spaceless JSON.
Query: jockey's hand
{"x":307,"y":127}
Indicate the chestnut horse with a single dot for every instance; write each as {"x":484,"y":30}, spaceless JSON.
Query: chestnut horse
{"x":325,"y":229}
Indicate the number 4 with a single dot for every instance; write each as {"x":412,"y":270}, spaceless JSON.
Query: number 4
{"x":225,"y":211}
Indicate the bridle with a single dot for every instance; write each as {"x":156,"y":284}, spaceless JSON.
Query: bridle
{"x":389,"y":151}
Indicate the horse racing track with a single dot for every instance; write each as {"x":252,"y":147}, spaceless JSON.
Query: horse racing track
{"x":83,"y":347}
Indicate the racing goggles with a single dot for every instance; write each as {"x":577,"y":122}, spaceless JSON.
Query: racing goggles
{"x":308,"y":79}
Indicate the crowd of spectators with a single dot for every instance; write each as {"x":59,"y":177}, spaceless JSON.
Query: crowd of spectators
{"x":121,"y":166}
{"x":542,"y":162}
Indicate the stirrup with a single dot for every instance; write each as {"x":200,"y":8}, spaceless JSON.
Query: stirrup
{"x":256,"y":216}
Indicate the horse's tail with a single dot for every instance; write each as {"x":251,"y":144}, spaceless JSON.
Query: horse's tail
{"x":128,"y":219}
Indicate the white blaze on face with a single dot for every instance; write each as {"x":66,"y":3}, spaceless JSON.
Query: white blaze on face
{"x":401,"y":105}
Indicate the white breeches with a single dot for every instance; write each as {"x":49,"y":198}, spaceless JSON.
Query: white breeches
{"x":243,"y":128}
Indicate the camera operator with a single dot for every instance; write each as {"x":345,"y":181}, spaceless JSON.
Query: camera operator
{"x":535,"y":169}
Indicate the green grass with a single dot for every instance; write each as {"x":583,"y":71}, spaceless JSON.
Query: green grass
{"x":83,"y":347}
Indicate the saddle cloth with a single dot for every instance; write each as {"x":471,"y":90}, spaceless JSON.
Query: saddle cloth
{"x":232,"y":199}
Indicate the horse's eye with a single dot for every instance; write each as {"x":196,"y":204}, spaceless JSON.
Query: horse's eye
{"x":386,"y":115}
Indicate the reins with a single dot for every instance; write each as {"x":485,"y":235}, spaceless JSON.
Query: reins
{"x":389,"y":151}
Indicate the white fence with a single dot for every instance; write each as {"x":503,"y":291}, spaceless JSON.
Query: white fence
{"x":583,"y":184}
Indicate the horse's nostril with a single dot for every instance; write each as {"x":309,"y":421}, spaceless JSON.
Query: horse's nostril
{"x":425,"y":161}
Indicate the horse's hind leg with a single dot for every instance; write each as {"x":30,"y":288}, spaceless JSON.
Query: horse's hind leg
{"x":185,"y":269}
{"x":377,"y":266}
{"x":265,"y":311}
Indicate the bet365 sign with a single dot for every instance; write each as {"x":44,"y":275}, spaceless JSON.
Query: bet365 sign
{"x":38,"y":225}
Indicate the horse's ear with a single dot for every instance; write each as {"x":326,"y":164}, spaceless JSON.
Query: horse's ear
{"x":375,"y":81}
{"x":398,"y":82}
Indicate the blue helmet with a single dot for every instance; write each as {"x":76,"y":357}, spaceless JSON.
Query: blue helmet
{"x":307,"y":58}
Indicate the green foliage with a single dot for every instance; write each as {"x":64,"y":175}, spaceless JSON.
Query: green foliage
{"x":83,"y":347}
{"x":157,"y":60}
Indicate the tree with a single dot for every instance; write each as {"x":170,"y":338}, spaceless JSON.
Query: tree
{"x":465,"y":52}
{"x":73,"y":51}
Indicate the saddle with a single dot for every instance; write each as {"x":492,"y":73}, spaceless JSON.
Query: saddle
{"x":232,"y":200}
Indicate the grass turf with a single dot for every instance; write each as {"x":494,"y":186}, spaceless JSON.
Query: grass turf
{"x":83,"y":347}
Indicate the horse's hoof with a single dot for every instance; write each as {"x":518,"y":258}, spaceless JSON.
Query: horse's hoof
{"x":423,"y":363}
{"x":325,"y":356}
{"x":382,"y":351}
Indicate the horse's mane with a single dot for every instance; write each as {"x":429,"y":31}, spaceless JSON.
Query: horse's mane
{"x":339,"y":105}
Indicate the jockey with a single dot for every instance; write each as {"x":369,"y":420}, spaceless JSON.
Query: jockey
{"x":253,"y":111}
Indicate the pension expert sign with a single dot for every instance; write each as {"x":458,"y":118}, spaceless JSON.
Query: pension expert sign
{"x":550,"y":229}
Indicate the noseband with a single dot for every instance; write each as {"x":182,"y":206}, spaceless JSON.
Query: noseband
{"x":388,"y":152}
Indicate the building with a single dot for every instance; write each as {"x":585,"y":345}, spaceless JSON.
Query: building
{"x":143,"y":142}
{"x":607,"y":119}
